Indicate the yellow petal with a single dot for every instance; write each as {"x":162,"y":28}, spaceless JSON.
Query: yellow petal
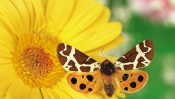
{"x":35,"y":93}
{"x":80,"y":20}
{"x":19,"y":90}
{"x":85,"y":25}
{"x":49,"y":94}
{"x":100,"y":36}
{"x":122,"y":95}
{"x":107,"y":46}
{"x":15,"y":88}
{"x":82,"y":16}
{"x":7,"y":43}
{"x":7,"y":77}
{"x":98,"y":49}
{"x":100,"y":59}
{"x":57,"y":13}
{"x":3,"y":72}
{"x":22,"y":16}
{"x":8,"y":17}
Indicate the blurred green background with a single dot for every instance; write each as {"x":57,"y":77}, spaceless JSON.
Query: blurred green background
{"x":138,"y":27}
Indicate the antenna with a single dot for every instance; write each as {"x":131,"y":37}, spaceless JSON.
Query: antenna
{"x":111,"y":56}
{"x":113,"y":53}
{"x":102,"y":53}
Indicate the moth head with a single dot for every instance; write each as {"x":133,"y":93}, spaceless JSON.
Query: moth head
{"x":107,"y":67}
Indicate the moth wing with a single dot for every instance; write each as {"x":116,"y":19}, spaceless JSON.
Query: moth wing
{"x":85,"y":82}
{"x":131,"y":80}
{"x":74,"y":60}
{"x":138,"y":57}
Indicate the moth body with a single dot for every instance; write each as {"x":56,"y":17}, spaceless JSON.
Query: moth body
{"x":107,"y":70}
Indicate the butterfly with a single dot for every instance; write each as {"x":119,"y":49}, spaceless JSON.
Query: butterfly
{"x":89,"y":74}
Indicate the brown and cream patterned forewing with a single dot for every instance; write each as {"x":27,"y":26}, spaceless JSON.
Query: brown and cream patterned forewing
{"x":74,"y":60}
{"x":138,"y":57}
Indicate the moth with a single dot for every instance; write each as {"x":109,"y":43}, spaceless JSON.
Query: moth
{"x":89,"y":74}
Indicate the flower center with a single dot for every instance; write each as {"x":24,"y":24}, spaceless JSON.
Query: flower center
{"x":35,"y":61}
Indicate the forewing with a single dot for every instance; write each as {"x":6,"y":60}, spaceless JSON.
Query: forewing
{"x":74,"y":60}
{"x":85,"y":82}
{"x":131,"y":80}
{"x":138,"y":57}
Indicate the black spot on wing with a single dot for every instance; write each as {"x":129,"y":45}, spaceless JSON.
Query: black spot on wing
{"x":73,"y":80}
{"x":140,"y":78}
{"x":90,"y":78}
{"x":133,"y":84}
{"x":125,"y":77}
{"x":126,"y":88}
{"x":90,"y":89}
{"x":82,"y":86}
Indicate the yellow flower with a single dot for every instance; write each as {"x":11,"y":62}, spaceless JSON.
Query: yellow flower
{"x":30,"y":31}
